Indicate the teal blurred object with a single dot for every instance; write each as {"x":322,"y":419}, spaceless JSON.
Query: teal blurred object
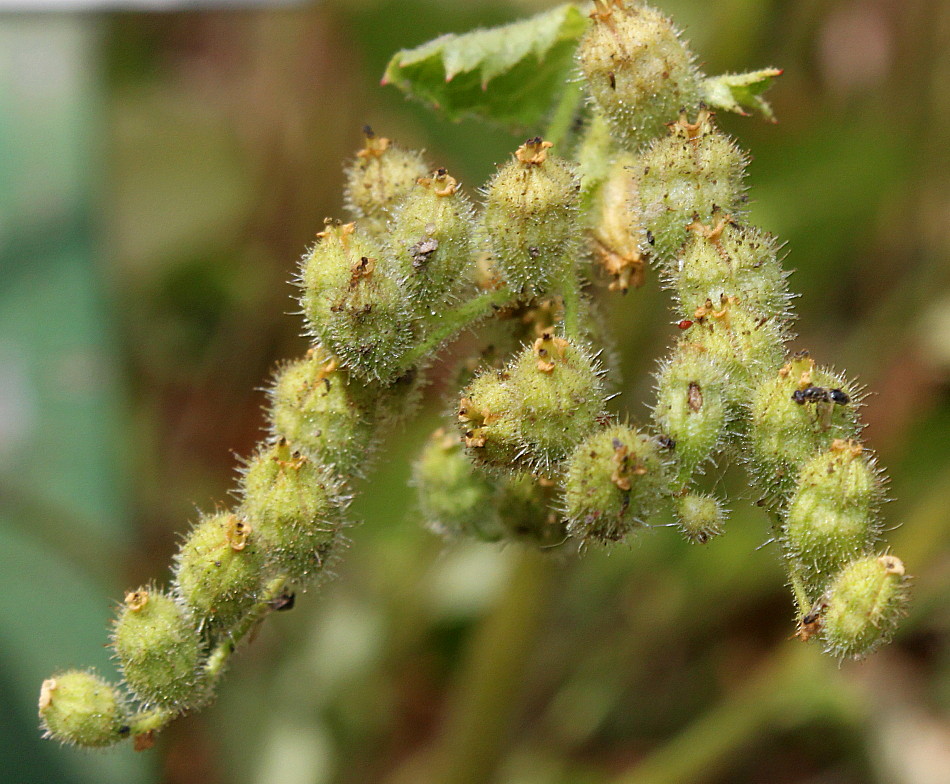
{"x":61,"y":497}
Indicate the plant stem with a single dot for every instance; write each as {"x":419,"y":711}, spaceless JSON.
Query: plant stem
{"x":562,"y":119}
{"x":571,"y":294}
{"x":456,"y":319}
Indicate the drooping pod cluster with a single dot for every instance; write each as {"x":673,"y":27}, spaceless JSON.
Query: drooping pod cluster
{"x":532,"y":454}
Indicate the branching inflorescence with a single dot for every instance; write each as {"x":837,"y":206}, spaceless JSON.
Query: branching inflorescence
{"x":532,"y":454}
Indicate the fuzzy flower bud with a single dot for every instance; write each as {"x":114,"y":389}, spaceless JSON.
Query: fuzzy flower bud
{"x":615,"y":480}
{"x":638,"y":70}
{"x":294,"y":509}
{"x":81,"y":708}
{"x":323,"y":412}
{"x":430,"y":239}
{"x":352,"y":306}
{"x":863,"y":605}
{"x":700,"y":517}
{"x":159,"y":650}
{"x":455,"y":497}
{"x":525,"y":507}
{"x":530,"y":220}
{"x":219,"y":570}
{"x":831,"y":516}
{"x":381,"y":174}
{"x":799,"y":411}
{"x":694,"y":173}
{"x":615,"y":237}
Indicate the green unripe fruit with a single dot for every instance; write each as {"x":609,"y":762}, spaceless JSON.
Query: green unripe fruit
{"x":325,"y":414}
{"x":430,"y":239}
{"x":525,"y":506}
{"x":863,"y":605}
{"x":294,"y":509}
{"x":557,"y":397}
{"x":615,"y":237}
{"x":615,"y":481}
{"x":830,"y":519}
{"x":694,"y":173}
{"x":784,"y":433}
{"x":380,"y":176}
{"x":487,"y":421}
{"x":530,"y":220}
{"x":638,"y":71}
{"x":160,"y":650}
{"x":729,"y":259}
{"x":700,"y":517}
{"x":744,"y":345}
{"x":455,"y":497}
{"x":220,"y":570}
{"x":694,"y":403}
{"x":356,"y":310}
{"x":81,"y":708}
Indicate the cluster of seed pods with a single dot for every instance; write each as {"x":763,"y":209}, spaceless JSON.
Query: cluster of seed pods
{"x":531,"y":453}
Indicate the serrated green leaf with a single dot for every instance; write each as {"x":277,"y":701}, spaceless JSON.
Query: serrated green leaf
{"x":741,"y":93}
{"x":510,"y":74}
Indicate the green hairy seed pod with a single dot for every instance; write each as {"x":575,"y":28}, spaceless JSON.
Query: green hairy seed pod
{"x":615,"y":238}
{"x":729,"y":260}
{"x":353,"y":307}
{"x":525,"y":507}
{"x":81,"y":708}
{"x":530,"y":220}
{"x":616,"y":479}
{"x":791,"y":419}
{"x":557,"y":396}
{"x":220,"y":570}
{"x":324,"y":413}
{"x":430,"y":239}
{"x":745,"y":345}
{"x":487,"y":421}
{"x":456,"y":498}
{"x":863,"y":605}
{"x":694,"y":404}
{"x":380,"y":176}
{"x":831,"y":516}
{"x":294,"y":509}
{"x":638,"y":70}
{"x":694,"y":173}
{"x":700,"y":517}
{"x":160,"y":650}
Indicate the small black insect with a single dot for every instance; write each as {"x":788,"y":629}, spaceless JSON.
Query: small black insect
{"x":820,"y":395}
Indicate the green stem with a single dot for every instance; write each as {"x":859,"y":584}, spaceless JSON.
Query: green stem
{"x":454,"y":320}
{"x":562,"y":120}
{"x":571,"y":293}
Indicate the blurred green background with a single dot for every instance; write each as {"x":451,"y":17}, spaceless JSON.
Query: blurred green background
{"x":160,"y":174}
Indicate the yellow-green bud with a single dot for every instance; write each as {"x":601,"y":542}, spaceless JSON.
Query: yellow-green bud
{"x":694,"y":405}
{"x":382,"y":174}
{"x":831,"y":517}
{"x":487,"y":421}
{"x":430,"y":239}
{"x":160,"y":650}
{"x":799,"y":411}
{"x":694,"y":173}
{"x":323,"y":412}
{"x":743,"y":344}
{"x":700,"y":517}
{"x":731,"y":260}
{"x":294,"y":508}
{"x":352,"y":306}
{"x":638,"y":70}
{"x":615,"y":481}
{"x":81,"y":708}
{"x":455,"y":497}
{"x":530,"y":220}
{"x":557,"y":396}
{"x":863,"y":605}
{"x":220,"y":570}
{"x":525,"y":506}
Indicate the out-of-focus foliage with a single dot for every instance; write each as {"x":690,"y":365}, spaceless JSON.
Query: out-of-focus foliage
{"x":219,"y":154}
